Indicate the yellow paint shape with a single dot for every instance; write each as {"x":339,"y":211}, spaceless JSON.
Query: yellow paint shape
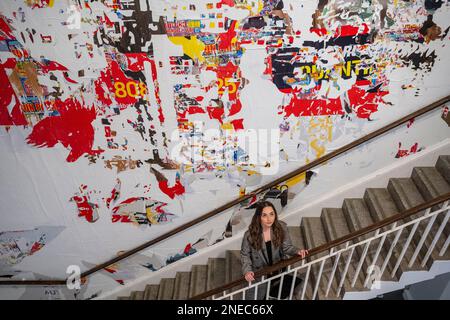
{"x":212,"y":25}
{"x":260,"y":5}
{"x":191,"y":47}
{"x":297,"y":179}
{"x":151,"y":216}
{"x":321,"y":131}
{"x":227,"y":126}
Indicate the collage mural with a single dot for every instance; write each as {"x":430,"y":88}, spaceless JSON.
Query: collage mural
{"x":123,"y":119}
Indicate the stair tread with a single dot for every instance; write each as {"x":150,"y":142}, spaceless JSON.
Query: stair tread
{"x":233,"y":269}
{"x":216,"y":273}
{"x":443,"y":166}
{"x":166,"y":287}
{"x":181,"y":286}
{"x":151,"y":292}
{"x":430,"y":182}
{"x":199,"y":274}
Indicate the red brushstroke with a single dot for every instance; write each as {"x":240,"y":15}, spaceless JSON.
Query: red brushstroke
{"x":235,"y":108}
{"x":108,"y":22}
{"x":115,"y":193}
{"x":52,"y":66}
{"x":177,"y":189}
{"x":405,"y":152}
{"x":129,"y":200}
{"x":313,"y":107}
{"x":85,"y":209}
{"x":319,"y":31}
{"x":229,"y":3}
{"x":36,"y":247}
{"x":410,"y":122}
{"x":187,"y":248}
{"x":8,"y":96}
{"x":73,"y":129}
{"x":156,"y":85}
{"x":5,"y":30}
{"x":193,"y":110}
{"x":224,"y":39}
{"x":365,"y":103}
{"x":109,"y":77}
{"x":238,"y":124}
{"x":121,"y":218}
{"x":215,"y":113}
{"x":136,"y":61}
{"x":348,"y":31}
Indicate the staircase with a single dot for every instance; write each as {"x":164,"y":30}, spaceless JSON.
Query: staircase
{"x":377,"y":204}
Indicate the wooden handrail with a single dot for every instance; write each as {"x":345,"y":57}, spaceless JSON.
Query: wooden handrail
{"x":232,"y":203}
{"x":327,"y":246}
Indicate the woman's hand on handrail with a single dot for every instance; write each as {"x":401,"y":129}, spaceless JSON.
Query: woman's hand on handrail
{"x":250,"y":276}
{"x":302,"y":253}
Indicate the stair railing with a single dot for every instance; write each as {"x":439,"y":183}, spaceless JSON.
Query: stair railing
{"x":434,"y":213}
{"x":243,"y":198}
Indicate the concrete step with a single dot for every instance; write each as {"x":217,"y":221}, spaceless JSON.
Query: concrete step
{"x":443,"y":166}
{"x":199,"y":274}
{"x":406,"y":195}
{"x":314,"y":236}
{"x":137,"y":295}
{"x":380,"y":203}
{"x":431,"y":184}
{"x":123,"y":298}
{"x":335,"y":226}
{"x":151,"y":292}
{"x":166,"y":287}
{"x":181,"y":286}
{"x":382,"y":206}
{"x":297,"y":240}
{"x":216,"y":273}
{"x":233,"y":269}
{"x":359,"y":216}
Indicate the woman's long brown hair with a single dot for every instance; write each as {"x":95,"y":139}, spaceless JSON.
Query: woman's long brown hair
{"x":255,"y":228}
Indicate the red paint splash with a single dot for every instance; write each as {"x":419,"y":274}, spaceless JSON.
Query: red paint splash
{"x":187,"y":249}
{"x":313,"y":107}
{"x":365,"y":103}
{"x":5,"y":30}
{"x":216,"y":113}
{"x":175,"y":190}
{"x":36,"y":247}
{"x":136,"y":61}
{"x":109,"y":77}
{"x":85,"y":208}
{"x":15,"y":117}
{"x":115,"y":193}
{"x":349,"y":31}
{"x":73,"y":129}
{"x":157,"y":95}
{"x":224,"y":40}
{"x":128,"y":201}
{"x":238,"y":124}
{"x":405,"y":152}
{"x":229,"y":3}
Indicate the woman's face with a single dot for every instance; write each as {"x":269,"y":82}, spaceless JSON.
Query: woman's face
{"x":267,"y":217}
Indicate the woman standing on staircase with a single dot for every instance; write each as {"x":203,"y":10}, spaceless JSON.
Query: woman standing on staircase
{"x":265,"y":243}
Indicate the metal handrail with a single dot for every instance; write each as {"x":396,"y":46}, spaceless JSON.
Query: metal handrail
{"x":327,"y":246}
{"x":234,"y":202}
